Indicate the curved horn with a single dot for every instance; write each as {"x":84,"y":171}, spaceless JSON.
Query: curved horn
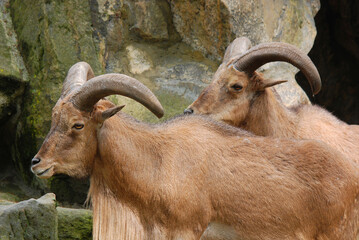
{"x":77,"y":75}
{"x":237,"y":47}
{"x":113,"y":83}
{"x":271,"y":52}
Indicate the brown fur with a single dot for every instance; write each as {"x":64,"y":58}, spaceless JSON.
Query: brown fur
{"x":180,"y":176}
{"x":257,"y":109}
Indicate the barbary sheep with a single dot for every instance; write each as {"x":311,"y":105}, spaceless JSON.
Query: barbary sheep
{"x":177,"y":177}
{"x":243,"y":98}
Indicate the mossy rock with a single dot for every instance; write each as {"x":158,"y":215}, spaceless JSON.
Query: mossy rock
{"x":30,"y":219}
{"x":74,"y":224}
{"x":52,"y":35}
{"x":8,"y":198}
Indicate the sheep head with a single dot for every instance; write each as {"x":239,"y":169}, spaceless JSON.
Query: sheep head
{"x":71,"y":144}
{"x":236,"y":85}
{"x":229,"y":98}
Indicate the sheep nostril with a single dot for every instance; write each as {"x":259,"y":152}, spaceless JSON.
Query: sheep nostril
{"x":188,"y":111}
{"x":35,"y":161}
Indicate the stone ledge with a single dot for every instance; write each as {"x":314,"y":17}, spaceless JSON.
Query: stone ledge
{"x":40,"y":219}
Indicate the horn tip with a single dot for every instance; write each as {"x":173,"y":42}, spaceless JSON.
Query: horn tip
{"x":317,"y":87}
{"x":159,"y":114}
{"x":316,"y":91}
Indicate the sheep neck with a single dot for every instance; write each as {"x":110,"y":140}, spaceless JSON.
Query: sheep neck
{"x":122,"y":178}
{"x":269,"y":117}
{"x":129,"y":171}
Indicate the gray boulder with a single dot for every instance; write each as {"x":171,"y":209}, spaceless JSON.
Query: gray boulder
{"x":29,"y":220}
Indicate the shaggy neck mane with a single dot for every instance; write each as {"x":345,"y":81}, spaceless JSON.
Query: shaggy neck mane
{"x":269,"y":117}
{"x":112,"y":219}
{"x":116,"y":218}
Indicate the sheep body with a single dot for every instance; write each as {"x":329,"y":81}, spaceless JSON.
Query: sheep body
{"x":179,"y":176}
{"x":172,"y":180}
{"x":257,"y":108}
{"x":211,"y":173}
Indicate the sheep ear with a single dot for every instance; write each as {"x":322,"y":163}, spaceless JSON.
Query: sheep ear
{"x":110,"y":112}
{"x":265,"y":83}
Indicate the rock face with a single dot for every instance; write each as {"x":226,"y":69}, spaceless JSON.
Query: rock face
{"x":13,"y":79}
{"x":41,"y":220}
{"x":29,"y":220}
{"x":74,"y":224}
{"x":209,"y":26}
{"x":173,"y":47}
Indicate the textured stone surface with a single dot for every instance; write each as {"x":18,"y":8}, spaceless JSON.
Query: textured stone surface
{"x":209,"y":26}
{"x":41,"y":220}
{"x":177,"y":75}
{"x":10,"y":61}
{"x":139,"y":62}
{"x":7,"y":198}
{"x":74,"y":224}
{"x":29,"y":220}
{"x":150,"y":21}
{"x":53,"y":35}
{"x":186,"y":80}
{"x":13,"y":79}
{"x":205,"y":25}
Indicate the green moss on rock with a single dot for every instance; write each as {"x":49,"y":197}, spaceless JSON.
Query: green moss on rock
{"x":8,"y":197}
{"x":13,"y":79}
{"x":74,"y":224}
{"x":172,"y":104}
{"x":9,"y":56}
{"x":53,"y":35}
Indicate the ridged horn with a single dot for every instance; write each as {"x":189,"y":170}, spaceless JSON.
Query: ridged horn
{"x":113,"y":83}
{"x":237,"y":47}
{"x":77,"y":75}
{"x":271,"y":52}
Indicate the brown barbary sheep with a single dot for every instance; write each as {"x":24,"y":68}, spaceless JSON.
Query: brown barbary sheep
{"x":243,"y":98}
{"x":180,"y":176}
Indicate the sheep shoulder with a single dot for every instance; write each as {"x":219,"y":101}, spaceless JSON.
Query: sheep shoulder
{"x":315,"y":122}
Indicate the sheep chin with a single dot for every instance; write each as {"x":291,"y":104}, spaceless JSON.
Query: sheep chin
{"x":44,"y":173}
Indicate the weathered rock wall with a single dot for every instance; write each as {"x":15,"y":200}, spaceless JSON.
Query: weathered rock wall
{"x":30,"y":219}
{"x":13,"y":79}
{"x":209,"y":26}
{"x":171,"y":46}
{"x":41,"y":219}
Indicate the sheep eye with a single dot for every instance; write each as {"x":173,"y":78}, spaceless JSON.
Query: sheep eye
{"x":236,"y":87}
{"x":78,"y":126}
